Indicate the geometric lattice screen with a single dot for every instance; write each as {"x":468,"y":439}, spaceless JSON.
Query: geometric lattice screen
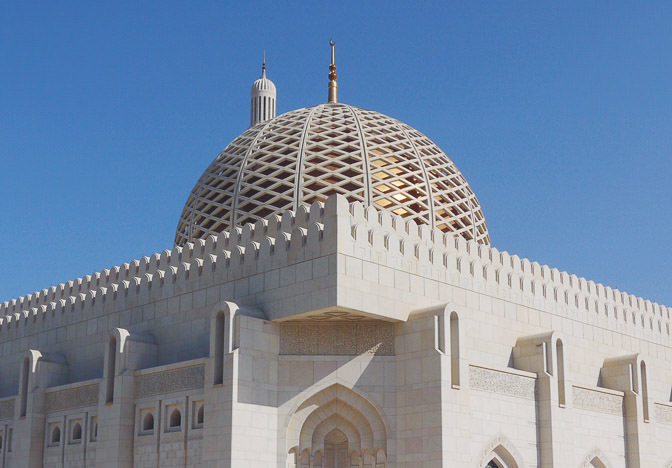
{"x":310,"y":153}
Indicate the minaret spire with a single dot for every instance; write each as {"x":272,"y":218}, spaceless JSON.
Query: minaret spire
{"x":333,"y":85}
{"x":263,"y":98}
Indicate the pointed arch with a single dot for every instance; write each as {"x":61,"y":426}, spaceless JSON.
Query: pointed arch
{"x":347,"y":413}
{"x":502,"y":453}
{"x":336,"y":401}
{"x":148,"y":422}
{"x":335,"y":422}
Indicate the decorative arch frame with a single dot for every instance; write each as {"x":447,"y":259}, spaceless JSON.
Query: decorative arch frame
{"x":501,"y":449}
{"x":319,"y":410}
{"x":328,"y":425}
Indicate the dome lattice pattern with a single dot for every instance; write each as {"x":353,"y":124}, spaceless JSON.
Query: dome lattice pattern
{"x":310,"y":153}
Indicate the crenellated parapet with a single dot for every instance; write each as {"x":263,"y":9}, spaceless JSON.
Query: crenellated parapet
{"x":267,"y":244}
{"x":348,"y":229}
{"x":430,"y":252}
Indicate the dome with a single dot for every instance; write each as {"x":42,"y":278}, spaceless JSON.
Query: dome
{"x":263,"y":84}
{"x":308,"y":154}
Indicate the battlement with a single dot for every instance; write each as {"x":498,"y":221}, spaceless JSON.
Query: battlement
{"x":351,"y":229}
{"x":486,"y":269}
{"x":231,"y":255}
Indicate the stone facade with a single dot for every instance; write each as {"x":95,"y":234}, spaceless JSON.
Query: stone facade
{"x":335,"y":335}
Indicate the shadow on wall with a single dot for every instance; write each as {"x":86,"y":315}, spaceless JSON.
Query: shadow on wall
{"x":303,"y":375}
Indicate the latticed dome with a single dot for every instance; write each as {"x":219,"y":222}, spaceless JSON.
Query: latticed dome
{"x":310,"y":153}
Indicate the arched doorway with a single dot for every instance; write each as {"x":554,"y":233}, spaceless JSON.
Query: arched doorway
{"x":336,"y":450}
{"x":336,"y":428}
{"x":500,"y":457}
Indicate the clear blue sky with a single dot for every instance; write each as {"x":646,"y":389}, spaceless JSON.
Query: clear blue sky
{"x":558,"y":114}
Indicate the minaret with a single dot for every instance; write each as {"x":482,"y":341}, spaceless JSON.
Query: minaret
{"x":263,"y":99}
{"x":333,"y":86}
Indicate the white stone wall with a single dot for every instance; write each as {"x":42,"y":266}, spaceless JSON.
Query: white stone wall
{"x":343,"y":263}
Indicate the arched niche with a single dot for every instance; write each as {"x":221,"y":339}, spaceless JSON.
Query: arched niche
{"x":501,"y":453}
{"x":336,"y":408}
{"x":148,"y":422}
{"x":324,"y":433}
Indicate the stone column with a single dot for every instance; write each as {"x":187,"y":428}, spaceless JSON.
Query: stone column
{"x":38,"y":372}
{"x":624,"y":373}
{"x":220,"y":374}
{"x":422,"y":372}
{"x":539,"y":354}
{"x":233,"y":393}
{"x":116,"y":398}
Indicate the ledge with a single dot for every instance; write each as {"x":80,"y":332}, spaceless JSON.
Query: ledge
{"x":69,"y":386}
{"x":608,"y":391}
{"x":507,"y":370}
{"x":173,"y":366}
{"x":667,"y":404}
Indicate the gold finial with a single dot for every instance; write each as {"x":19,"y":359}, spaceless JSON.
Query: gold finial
{"x":333,"y":86}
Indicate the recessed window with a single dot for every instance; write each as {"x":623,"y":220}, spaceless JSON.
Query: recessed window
{"x":111,"y":370}
{"x":76,"y":433}
{"x":197,"y":414}
{"x":94,"y":429}
{"x":175,"y":420}
{"x":148,"y":423}
{"x":55,"y":437}
{"x":23,"y":400}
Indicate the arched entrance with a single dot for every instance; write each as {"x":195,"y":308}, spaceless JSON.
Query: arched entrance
{"x":500,"y":454}
{"x":336,"y":428}
{"x":336,"y":454}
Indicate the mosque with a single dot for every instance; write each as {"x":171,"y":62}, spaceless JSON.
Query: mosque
{"x":333,"y":301}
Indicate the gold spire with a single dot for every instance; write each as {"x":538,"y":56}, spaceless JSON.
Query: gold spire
{"x":333,"y":86}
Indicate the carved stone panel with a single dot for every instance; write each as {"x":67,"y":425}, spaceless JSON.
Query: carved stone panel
{"x":491,"y":380}
{"x":174,"y":380}
{"x":337,"y":338}
{"x":7,"y":409}
{"x":594,"y":400}
{"x":77,"y":397}
{"x":663,"y":413}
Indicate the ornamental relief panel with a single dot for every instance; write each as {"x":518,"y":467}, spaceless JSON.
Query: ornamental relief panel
{"x":175,"y":380}
{"x":7,"y":409}
{"x":663,"y":413}
{"x":491,"y":380}
{"x":594,"y":400}
{"x":77,"y":397}
{"x":337,"y":338}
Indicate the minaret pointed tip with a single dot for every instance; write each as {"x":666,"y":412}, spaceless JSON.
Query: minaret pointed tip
{"x":333,"y":85}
